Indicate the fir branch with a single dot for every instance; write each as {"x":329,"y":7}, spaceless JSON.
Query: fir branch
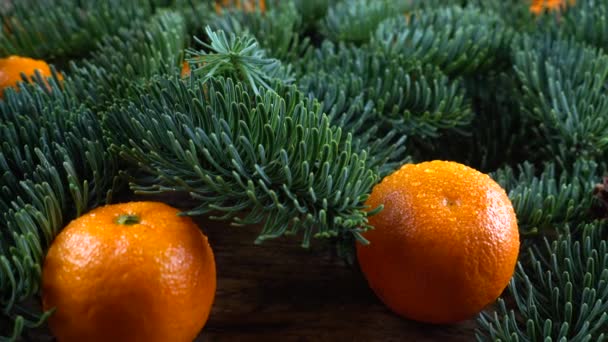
{"x":195,"y":12}
{"x":458,"y":40}
{"x":51,"y":29}
{"x":343,"y":97}
{"x":246,"y":158}
{"x":515,"y":13}
{"x":395,"y":96}
{"x":421,"y":102}
{"x":54,"y":165}
{"x":346,"y":106}
{"x":554,"y":197}
{"x":355,"y":20}
{"x":238,"y":57}
{"x":563,"y":85}
{"x":128,"y":59}
{"x":277,"y":30}
{"x":418,"y":101}
{"x":587,"y":22}
{"x":313,"y":11}
{"x":499,"y":133}
{"x":560,"y":292}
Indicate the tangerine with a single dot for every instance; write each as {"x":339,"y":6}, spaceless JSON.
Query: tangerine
{"x":444,"y":246}
{"x":12,"y":67}
{"x":129,"y":272}
{"x":538,"y":6}
{"x":185,"y":69}
{"x":247,"y":5}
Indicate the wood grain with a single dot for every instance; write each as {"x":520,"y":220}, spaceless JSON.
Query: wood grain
{"x":281,"y":292}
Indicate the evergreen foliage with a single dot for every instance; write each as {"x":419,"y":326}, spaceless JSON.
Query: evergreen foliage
{"x":587,"y":22}
{"x":353,"y":20}
{"x":60,"y":28}
{"x":294,"y":110}
{"x":370,"y":90}
{"x":54,"y":166}
{"x":273,"y":158}
{"x":129,"y":59}
{"x":498,"y":131}
{"x":560,"y":291}
{"x":277,"y":30}
{"x":563,"y":84}
{"x":238,"y":57}
{"x":551,"y":198}
{"x":313,"y":11}
{"x":449,"y":37}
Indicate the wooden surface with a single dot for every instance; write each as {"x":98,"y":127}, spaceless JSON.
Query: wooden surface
{"x":281,"y":292}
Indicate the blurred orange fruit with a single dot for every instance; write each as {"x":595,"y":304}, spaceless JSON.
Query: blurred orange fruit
{"x":12,"y":67}
{"x":539,"y":6}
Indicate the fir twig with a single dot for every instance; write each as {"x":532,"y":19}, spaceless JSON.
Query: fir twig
{"x":560,"y":292}
{"x":563,"y":85}
{"x":458,"y":40}
{"x":354,"y":21}
{"x":54,"y":165}
{"x":246,"y":158}
{"x":393,"y":96}
{"x":277,"y":29}
{"x":552,"y":198}
{"x":238,"y":57}
{"x":50,"y":29}
{"x":128,"y":59}
{"x":587,"y":22}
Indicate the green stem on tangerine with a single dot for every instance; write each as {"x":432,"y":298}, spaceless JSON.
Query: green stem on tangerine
{"x":128,"y":219}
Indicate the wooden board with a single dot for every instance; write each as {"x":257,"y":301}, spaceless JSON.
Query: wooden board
{"x":279,"y":291}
